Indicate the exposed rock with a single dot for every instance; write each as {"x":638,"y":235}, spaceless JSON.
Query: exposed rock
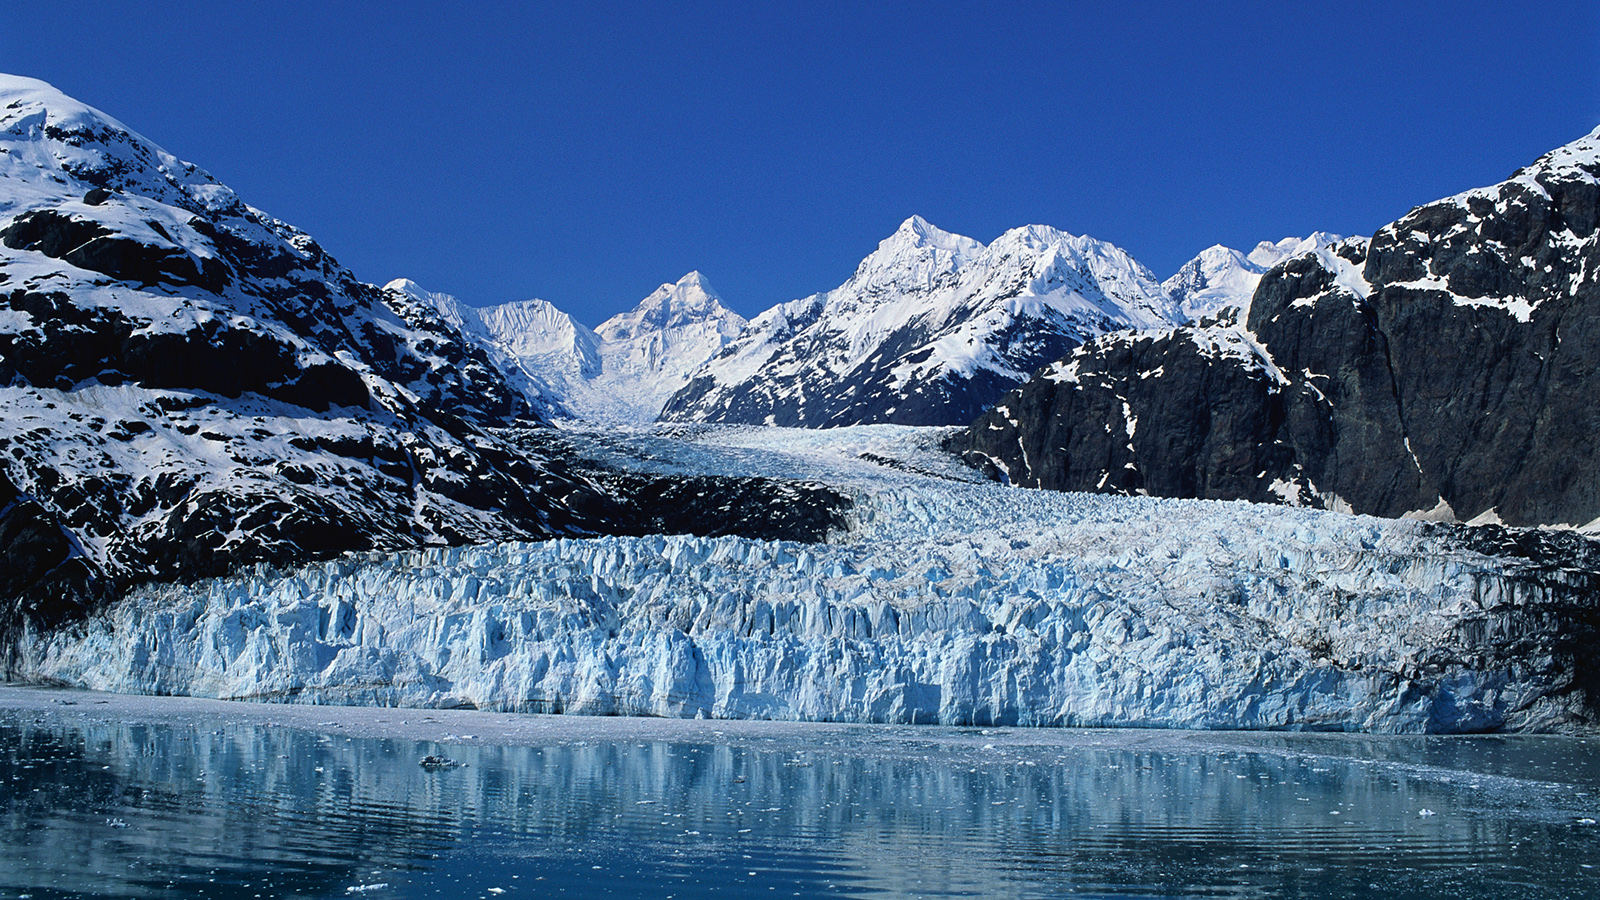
{"x":1447,"y":367}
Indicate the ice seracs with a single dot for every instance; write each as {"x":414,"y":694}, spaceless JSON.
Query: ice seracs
{"x":946,"y":602}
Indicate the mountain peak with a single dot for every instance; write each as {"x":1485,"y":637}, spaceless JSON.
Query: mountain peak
{"x":1584,"y":151}
{"x":919,"y":232}
{"x":917,"y":256}
{"x":689,"y":299}
{"x":1222,"y":278}
{"x":23,"y":100}
{"x":695,"y":279}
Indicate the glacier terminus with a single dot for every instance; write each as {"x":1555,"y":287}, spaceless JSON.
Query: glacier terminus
{"x":947,"y":600}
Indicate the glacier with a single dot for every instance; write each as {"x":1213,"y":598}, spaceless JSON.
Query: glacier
{"x":946,"y":601}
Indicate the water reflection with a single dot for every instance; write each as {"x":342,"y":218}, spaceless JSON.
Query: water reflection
{"x":93,"y":808}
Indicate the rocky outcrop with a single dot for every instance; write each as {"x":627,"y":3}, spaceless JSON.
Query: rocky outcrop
{"x":1446,"y":367}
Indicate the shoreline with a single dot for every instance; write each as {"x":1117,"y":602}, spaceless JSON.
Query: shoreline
{"x":511,"y":729}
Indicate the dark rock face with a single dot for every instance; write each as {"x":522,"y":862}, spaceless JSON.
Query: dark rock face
{"x":43,"y":579}
{"x":90,"y":245}
{"x":713,"y":505}
{"x":1453,"y":361}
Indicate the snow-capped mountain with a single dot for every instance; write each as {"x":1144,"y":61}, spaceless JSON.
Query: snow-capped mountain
{"x":535,"y":347}
{"x":621,"y":372}
{"x":1445,"y":368}
{"x":1222,"y":278}
{"x":930,"y":329}
{"x":188,"y":385}
{"x":648,"y":353}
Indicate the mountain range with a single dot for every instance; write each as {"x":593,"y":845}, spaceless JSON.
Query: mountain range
{"x":930,"y":330}
{"x":190,"y":384}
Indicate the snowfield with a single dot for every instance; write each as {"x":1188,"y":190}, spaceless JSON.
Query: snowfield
{"x":946,"y":601}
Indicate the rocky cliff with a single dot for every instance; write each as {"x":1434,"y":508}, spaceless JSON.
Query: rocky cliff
{"x":1446,"y":367}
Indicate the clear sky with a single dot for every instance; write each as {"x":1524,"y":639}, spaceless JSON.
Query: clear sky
{"x":586,"y":152}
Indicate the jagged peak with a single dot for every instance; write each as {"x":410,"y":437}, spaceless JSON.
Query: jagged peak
{"x":916,"y":233}
{"x":1036,"y":236}
{"x":691,"y":296}
{"x":23,"y":99}
{"x":918,"y":254}
{"x":919,"y":232}
{"x":1268,"y":253}
{"x":408,"y":287}
{"x":689,"y":300}
{"x":1584,"y":151}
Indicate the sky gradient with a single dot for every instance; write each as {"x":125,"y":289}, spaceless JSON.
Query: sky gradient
{"x":585,"y":155}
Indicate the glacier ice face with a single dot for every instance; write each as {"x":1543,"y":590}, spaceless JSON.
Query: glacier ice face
{"x":947,"y":601}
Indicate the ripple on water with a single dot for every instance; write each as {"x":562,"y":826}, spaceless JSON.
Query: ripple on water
{"x":93,"y":806}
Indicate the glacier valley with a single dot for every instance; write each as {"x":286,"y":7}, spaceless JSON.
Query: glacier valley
{"x":946,"y":600}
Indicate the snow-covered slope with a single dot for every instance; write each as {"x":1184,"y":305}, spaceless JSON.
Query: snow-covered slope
{"x":621,"y":372}
{"x":947,"y":601}
{"x":648,"y":353}
{"x":187,"y":383}
{"x":538,"y":349}
{"x":930,"y":329}
{"x":1222,"y":278}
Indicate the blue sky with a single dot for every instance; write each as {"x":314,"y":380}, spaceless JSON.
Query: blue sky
{"x":585,"y":153}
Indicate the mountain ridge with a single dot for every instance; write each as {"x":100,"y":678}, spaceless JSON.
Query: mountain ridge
{"x":1440,"y":369}
{"x":928,"y":330}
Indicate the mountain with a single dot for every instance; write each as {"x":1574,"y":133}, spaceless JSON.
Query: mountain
{"x":535,"y":347}
{"x":648,"y":353}
{"x":188,"y":385}
{"x":1223,"y":278}
{"x":930,"y":329}
{"x":621,"y":372}
{"x":1447,"y":367}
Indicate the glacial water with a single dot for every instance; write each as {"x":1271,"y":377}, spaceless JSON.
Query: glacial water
{"x":98,"y":801}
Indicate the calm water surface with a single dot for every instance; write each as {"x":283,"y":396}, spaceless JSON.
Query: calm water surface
{"x":95,"y":805}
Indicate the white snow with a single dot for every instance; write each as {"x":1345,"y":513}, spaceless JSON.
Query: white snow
{"x":621,"y":372}
{"x":943,"y":305}
{"x":1222,"y":278}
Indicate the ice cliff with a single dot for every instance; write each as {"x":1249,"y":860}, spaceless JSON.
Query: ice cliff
{"x":945,"y":602}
